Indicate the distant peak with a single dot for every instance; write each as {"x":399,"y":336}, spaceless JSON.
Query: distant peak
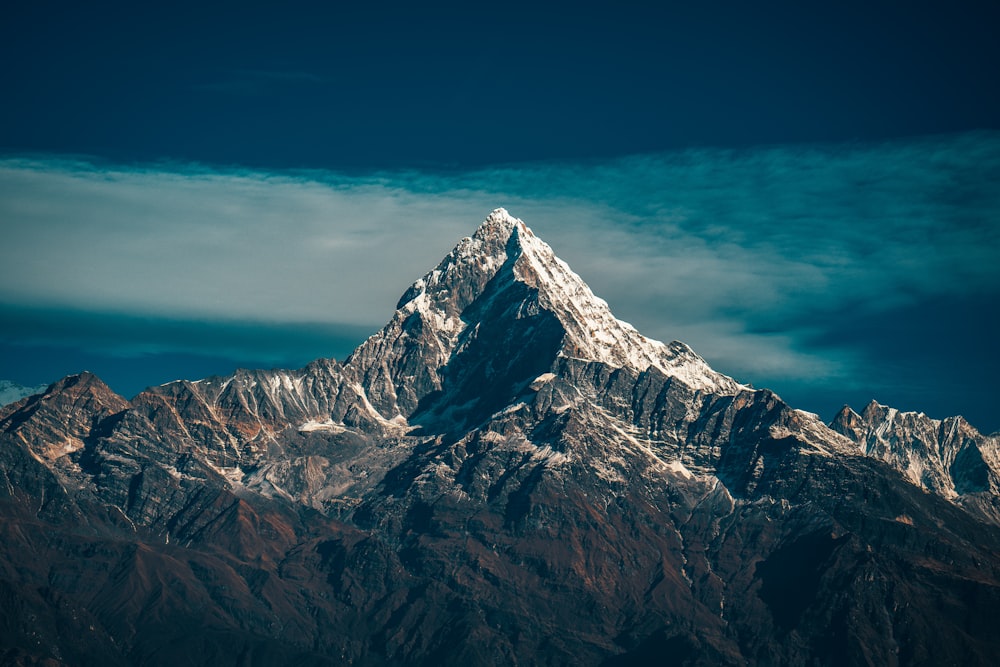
{"x":81,"y":379}
{"x":847,"y":411}
{"x":846,"y":421}
{"x":86,"y":383}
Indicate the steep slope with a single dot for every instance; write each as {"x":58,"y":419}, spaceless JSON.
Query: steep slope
{"x":504,"y":474}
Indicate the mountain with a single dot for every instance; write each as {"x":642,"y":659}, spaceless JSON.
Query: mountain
{"x":11,"y":392}
{"x":948,"y":457}
{"x":504,"y":474}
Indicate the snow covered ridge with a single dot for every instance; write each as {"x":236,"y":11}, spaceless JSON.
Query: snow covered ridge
{"x":594,"y":333}
{"x":946,"y":456}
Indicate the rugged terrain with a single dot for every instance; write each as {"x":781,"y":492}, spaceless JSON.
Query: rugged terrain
{"x":504,"y":474}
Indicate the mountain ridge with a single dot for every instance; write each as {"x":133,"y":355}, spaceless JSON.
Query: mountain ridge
{"x":504,"y":474}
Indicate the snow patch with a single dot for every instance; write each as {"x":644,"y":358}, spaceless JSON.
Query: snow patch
{"x":329,"y":425}
{"x":541,"y":381}
{"x":679,"y":468}
{"x":550,"y":457}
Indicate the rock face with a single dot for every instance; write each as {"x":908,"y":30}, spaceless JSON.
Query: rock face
{"x":505,"y":474}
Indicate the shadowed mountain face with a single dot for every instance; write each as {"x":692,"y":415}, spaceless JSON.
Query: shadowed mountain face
{"x":505,"y":474}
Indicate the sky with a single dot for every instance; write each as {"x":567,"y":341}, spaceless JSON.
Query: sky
{"x":808,"y":196}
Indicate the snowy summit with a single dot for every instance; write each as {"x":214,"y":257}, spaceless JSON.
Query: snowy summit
{"x":503,"y":243}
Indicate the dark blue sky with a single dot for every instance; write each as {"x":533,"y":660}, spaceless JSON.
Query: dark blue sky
{"x":361,"y":85}
{"x":805,"y":194}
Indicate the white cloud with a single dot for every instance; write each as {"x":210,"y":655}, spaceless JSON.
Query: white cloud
{"x":231,"y":246}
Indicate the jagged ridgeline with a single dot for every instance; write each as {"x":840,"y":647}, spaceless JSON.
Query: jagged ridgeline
{"x":505,"y":474}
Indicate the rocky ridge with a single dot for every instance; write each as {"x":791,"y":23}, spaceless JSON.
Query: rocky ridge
{"x":948,"y":457}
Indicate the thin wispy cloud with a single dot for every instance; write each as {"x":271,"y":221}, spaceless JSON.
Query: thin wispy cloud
{"x":764,"y":260}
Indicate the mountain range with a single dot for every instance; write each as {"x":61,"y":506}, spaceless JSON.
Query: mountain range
{"x":504,"y":474}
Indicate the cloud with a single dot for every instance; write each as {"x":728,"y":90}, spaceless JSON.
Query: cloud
{"x":768,"y":261}
{"x":196,"y":243}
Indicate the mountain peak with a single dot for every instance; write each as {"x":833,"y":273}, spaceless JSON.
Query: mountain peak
{"x":84,"y":384}
{"x":499,"y":220}
{"x":593,"y":333}
{"x":59,"y":419}
{"x":498,"y":230}
{"x":499,"y":279}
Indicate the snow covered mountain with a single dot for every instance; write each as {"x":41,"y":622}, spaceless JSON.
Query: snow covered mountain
{"x":504,"y":474}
